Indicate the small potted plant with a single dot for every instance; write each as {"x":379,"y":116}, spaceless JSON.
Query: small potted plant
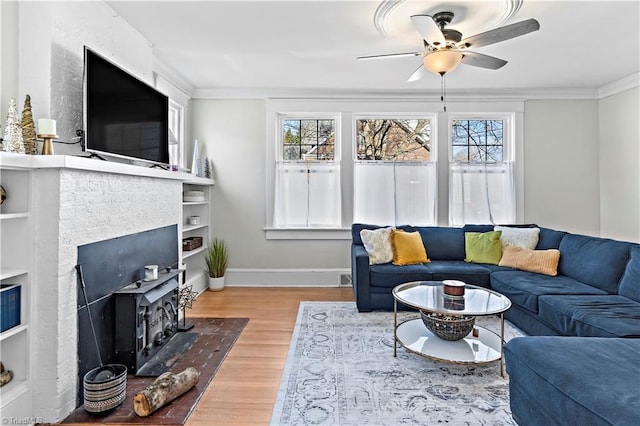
{"x":217,"y":259}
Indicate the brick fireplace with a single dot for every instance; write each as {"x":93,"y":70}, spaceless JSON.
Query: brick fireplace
{"x":74,"y":205}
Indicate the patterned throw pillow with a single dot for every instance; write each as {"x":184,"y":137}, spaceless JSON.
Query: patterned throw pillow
{"x":540,"y":261}
{"x":520,"y":237}
{"x":408,"y":248}
{"x":482,"y":247}
{"x":377,"y":243}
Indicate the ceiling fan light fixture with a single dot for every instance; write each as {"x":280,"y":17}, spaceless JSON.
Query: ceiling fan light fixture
{"x":442,"y":61}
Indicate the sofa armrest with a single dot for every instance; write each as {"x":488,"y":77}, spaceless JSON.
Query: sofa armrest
{"x":360,"y":277}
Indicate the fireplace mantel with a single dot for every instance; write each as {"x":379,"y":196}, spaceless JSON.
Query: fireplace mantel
{"x":74,"y":201}
{"x":72,"y":162}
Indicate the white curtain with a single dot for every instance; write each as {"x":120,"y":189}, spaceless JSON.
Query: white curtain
{"x":481,"y":193}
{"x":307,"y":195}
{"x":395,"y":193}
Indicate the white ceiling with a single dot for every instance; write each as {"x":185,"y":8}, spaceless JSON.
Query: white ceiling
{"x":305,"y":46}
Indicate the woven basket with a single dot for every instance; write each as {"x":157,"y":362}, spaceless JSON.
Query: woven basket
{"x":448,"y":327}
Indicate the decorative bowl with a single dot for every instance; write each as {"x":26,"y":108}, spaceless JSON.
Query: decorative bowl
{"x":448,"y":327}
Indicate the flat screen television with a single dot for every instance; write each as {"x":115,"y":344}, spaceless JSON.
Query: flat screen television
{"x":123,"y":116}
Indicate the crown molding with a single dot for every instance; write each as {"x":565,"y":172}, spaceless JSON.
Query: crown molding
{"x":452,"y":95}
{"x":168,"y":73}
{"x":619,"y":86}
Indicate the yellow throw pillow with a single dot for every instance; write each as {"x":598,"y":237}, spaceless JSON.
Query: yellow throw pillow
{"x":408,"y":248}
{"x":540,"y":261}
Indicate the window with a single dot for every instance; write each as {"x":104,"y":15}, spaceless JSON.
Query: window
{"x":394,"y":171}
{"x":307,"y":192}
{"x":308,"y":139}
{"x":477,"y":140}
{"x":176,"y":125}
{"x":481,"y":186}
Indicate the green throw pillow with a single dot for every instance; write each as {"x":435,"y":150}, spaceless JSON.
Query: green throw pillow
{"x":483,"y":247}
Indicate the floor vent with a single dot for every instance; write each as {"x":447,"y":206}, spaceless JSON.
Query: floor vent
{"x":345,"y":280}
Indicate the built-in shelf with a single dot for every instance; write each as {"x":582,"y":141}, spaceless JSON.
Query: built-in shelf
{"x":13,"y":331}
{"x":13,"y":390}
{"x":16,"y":261}
{"x":7,"y":216}
{"x":187,"y":254}
{"x":8,"y":273}
{"x":188,"y":228}
{"x":194,"y":259}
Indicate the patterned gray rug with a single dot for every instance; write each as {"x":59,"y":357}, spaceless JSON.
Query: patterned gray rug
{"x":341,"y":371}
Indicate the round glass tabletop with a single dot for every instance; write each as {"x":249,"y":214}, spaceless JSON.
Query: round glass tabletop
{"x":429,"y":296}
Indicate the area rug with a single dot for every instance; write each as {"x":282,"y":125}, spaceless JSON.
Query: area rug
{"x":341,"y":371}
{"x":216,"y":337}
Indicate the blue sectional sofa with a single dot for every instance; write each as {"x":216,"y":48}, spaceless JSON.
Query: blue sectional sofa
{"x":594,"y":296}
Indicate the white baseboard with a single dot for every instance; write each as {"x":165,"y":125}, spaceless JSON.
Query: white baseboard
{"x":332,"y":277}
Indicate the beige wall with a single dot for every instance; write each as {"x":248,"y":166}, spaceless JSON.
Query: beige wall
{"x":620,"y":165}
{"x":232,"y":134}
{"x":561,"y":165}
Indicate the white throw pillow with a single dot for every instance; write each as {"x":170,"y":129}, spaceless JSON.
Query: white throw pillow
{"x":377,"y":242}
{"x":519,"y":237}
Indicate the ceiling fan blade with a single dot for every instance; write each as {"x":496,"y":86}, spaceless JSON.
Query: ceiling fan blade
{"x":428,"y":29}
{"x":391,"y":55}
{"x":500,"y":34}
{"x":418,"y":74}
{"x":483,"y":61}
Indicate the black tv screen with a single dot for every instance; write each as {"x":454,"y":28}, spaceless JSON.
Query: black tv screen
{"x":123,"y":116}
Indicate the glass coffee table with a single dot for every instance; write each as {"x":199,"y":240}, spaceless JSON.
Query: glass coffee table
{"x":480,"y":346}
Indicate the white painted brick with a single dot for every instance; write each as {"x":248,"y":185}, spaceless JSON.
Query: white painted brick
{"x":73,"y":208}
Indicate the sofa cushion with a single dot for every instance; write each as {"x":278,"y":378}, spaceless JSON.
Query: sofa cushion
{"x":524,"y":288}
{"x":519,"y":237}
{"x":564,"y":380}
{"x":607,"y":315}
{"x":470,"y":273}
{"x":389,"y":275}
{"x":477,"y":228}
{"x":599,"y":262}
{"x":483,"y":247}
{"x":377,"y":242}
{"x":549,"y":239}
{"x":355,"y":232}
{"x":443,"y":243}
{"x":630,"y":283}
{"x":541,"y":261}
{"x":407,"y":248}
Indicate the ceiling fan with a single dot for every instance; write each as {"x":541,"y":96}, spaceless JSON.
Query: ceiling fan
{"x":445,"y":49}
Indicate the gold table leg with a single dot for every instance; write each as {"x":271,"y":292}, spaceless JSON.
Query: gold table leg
{"x":502,"y":344}
{"x":395,"y":328}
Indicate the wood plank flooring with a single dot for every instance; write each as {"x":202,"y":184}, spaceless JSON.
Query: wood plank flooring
{"x":244,"y":390}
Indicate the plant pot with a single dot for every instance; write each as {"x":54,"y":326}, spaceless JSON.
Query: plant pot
{"x":216,"y":284}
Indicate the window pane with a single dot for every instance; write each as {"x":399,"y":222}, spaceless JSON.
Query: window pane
{"x":313,"y":139}
{"x":483,"y":140}
{"x":460,"y":153}
{"x":393,"y":139}
{"x":291,"y":134}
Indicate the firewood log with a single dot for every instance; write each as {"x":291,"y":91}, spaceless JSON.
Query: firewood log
{"x":163,"y":390}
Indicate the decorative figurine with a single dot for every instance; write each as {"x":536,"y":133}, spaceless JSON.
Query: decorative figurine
{"x":207,"y":168}
{"x":12,"y":131}
{"x":29,"y":129}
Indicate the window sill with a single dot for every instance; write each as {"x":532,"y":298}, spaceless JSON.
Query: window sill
{"x":308,"y":233}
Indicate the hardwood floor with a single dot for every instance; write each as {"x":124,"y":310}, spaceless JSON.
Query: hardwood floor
{"x":244,"y":390}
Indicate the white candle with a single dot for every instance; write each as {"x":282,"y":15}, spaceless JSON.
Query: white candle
{"x":46,"y":126}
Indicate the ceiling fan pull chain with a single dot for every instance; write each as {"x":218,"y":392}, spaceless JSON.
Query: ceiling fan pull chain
{"x":443,"y":89}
